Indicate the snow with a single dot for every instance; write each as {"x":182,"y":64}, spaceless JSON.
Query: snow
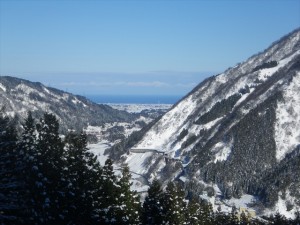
{"x":137,"y":162}
{"x":2,"y":87}
{"x":76,"y":101}
{"x":243,"y":202}
{"x":264,"y":74}
{"x":26,"y":89}
{"x":168,"y":126}
{"x":281,"y":206}
{"x":222,"y":151}
{"x":98,"y":150}
{"x":46,"y":90}
{"x":287,"y":135}
{"x":137,"y":108}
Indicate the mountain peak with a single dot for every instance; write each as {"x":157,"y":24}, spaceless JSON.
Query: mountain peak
{"x":233,"y":131}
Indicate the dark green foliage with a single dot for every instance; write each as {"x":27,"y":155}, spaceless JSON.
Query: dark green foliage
{"x":244,"y":90}
{"x":266,"y":65}
{"x":32,"y":172}
{"x":152,"y":206}
{"x":219,"y":109}
{"x":129,"y":202}
{"x":82,"y":174}
{"x":182,"y":134}
{"x":192,"y":138}
{"x":199,"y":213}
{"x":12,"y":188}
{"x":173,"y":205}
{"x":252,"y":152}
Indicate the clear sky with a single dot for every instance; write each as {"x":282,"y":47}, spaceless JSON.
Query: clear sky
{"x":135,"y":47}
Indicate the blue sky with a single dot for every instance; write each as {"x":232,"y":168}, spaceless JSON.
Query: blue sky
{"x":135,"y":47}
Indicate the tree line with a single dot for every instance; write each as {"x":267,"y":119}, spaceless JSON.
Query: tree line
{"x":47,"y":179}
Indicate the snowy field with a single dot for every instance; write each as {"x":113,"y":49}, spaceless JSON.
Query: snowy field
{"x":137,"y":108}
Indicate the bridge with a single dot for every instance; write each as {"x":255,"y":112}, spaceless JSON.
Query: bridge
{"x":144,"y":150}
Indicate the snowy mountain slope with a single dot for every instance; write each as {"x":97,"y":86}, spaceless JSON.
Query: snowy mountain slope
{"x":233,"y":131}
{"x":18,"y":96}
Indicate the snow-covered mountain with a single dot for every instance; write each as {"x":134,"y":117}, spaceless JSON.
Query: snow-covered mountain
{"x":236,"y":134}
{"x":18,"y":96}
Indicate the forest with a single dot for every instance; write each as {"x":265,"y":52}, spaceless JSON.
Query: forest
{"x":47,"y":178}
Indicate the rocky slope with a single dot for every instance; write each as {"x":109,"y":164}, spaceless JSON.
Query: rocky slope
{"x":236,"y":134}
{"x":18,"y":96}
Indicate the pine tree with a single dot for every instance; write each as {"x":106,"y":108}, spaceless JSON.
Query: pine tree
{"x":206,"y":213}
{"x":193,"y":213}
{"x":233,"y":219}
{"x":278,"y":219}
{"x":32,"y":174}
{"x":111,"y":192}
{"x":51,"y":157}
{"x":12,"y":189}
{"x":129,"y":203}
{"x":221,"y":218}
{"x":152,"y":206}
{"x":81,"y":174}
{"x":173,"y":205}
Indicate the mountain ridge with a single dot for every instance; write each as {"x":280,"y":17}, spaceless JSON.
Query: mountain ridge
{"x":19,"y":96}
{"x":232,"y":131}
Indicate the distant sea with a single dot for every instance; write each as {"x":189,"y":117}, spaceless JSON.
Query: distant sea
{"x":134,"y":99}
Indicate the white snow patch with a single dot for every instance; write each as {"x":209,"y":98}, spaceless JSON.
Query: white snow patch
{"x":2,"y":87}
{"x":167,"y":127}
{"x":287,"y":135}
{"x":98,"y":150}
{"x":244,"y":201}
{"x":222,"y":78}
{"x":222,"y":150}
{"x":26,"y":89}
{"x":137,"y":162}
{"x":46,"y":90}
{"x":75,"y":101}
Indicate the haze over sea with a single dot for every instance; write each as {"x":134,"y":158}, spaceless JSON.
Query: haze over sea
{"x":134,"y":99}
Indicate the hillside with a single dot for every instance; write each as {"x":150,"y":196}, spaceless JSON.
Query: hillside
{"x":236,"y":134}
{"x":18,"y":96}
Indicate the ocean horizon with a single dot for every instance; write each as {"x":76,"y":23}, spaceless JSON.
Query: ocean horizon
{"x":134,"y":99}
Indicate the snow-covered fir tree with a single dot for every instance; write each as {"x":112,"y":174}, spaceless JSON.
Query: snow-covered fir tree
{"x":82,"y":170}
{"x":51,"y":161}
{"x":174,"y":205}
{"x":152,"y":212}
{"x":129,"y":202}
{"x":12,"y":205}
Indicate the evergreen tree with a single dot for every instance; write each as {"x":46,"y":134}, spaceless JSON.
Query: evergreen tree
{"x":52,"y":162}
{"x":32,"y":174}
{"x":221,"y":218}
{"x":278,"y":219}
{"x":233,"y":219}
{"x":129,"y":203}
{"x":193,"y":213}
{"x":111,"y":192}
{"x":81,"y":173}
{"x":12,"y":203}
{"x":206,"y":213}
{"x":173,"y":205}
{"x":152,"y":206}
